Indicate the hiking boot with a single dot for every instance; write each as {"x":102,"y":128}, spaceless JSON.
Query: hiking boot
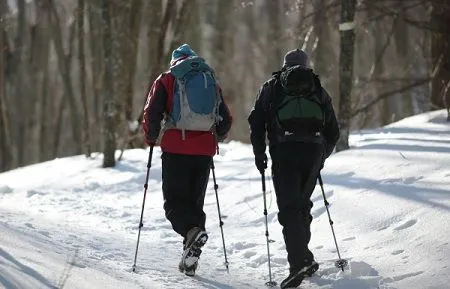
{"x":195,"y":239}
{"x":296,"y":276}
{"x":190,"y":271}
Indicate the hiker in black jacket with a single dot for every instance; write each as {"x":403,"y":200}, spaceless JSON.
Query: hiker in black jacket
{"x":297,"y":116}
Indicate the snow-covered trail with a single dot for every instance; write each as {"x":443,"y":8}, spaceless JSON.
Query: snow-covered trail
{"x":70,"y":221}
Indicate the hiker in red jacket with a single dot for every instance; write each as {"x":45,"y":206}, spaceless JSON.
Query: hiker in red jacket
{"x":190,"y":103}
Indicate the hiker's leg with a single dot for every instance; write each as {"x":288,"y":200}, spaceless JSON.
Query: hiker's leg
{"x":176,"y":176}
{"x":199,"y":182}
{"x":287,"y":180}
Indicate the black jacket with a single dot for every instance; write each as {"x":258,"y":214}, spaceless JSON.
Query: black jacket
{"x":262,"y":123}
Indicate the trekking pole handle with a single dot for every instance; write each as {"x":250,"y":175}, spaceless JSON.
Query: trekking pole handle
{"x":263,"y":178}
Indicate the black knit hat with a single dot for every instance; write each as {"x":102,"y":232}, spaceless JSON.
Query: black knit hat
{"x":295,"y":57}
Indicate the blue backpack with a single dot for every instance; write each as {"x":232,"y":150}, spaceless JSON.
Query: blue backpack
{"x":196,"y":99}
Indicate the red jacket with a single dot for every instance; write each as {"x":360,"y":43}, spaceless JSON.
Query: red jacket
{"x":159,"y":104}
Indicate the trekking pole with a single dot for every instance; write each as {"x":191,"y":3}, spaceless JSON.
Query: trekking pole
{"x":341,"y":263}
{"x":220,"y":216}
{"x":149,"y":164}
{"x":270,"y":283}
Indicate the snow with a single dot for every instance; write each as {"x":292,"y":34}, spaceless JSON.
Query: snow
{"x":68,"y":223}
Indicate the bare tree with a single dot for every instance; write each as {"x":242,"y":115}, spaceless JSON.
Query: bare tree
{"x":402,"y":37}
{"x":274,"y":35}
{"x":131,"y":61}
{"x":55,"y":25}
{"x":440,"y":52}
{"x":61,"y":107}
{"x":97,"y":69}
{"x":82,"y":78}
{"x":40,"y":59}
{"x":19,"y":56}
{"x":346,"y":70}
{"x":158,"y":54}
{"x":5,"y":136}
{"x":109,"y":103}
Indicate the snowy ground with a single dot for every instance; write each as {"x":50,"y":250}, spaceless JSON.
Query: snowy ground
{"x":69,"y":223}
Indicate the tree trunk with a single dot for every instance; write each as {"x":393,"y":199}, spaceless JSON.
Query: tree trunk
{"x":96,"y":54}
{"x":159,"y":53}
{"x":82,"y":79}
{"x":43,"y":128}
{"x":63,"y":102}
{"x":19,"y":83}
{"x":109,"y":105}
{"x":154,"y":15}
{"x":402,"y":41}
{"x":58,"y":126}
{"x":323,"y":56}
{"x":223,"y":59}
{"x":274,"y":36}
{"x":120,"y":39}
{"x":64,"y":70}
{"x":40,"y":55}
{"x":346,"y":70}
{"x":223,"y":44}
{"x":186,"y":27}
{"x":130,"y":51}
{"x":440,"y":52}
{"x":5,"y":137}
{"x":379,"y":68}
{"x":156,"y":33}
{"x":135,"y":29}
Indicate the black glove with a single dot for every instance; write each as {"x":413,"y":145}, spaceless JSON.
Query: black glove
{"x":261,"y":162}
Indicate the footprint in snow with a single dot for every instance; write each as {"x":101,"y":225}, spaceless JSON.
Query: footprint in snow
{"x":31,"y":193}
{"x":77,"y":264}
{"x":383,"y":228}
{"x":320,"y":198}
{"x":160,"y":220}
{"x":396,"y":252}
{"x":29,"y":225}
{"x":360,"y":269}
{"x":243,"y":245}
{"x":316,"y":214}
{"x":393,"y":180}
{"x":248,"y":199}
{"x":249,"y":254}
{"x":406,"y":225}
{"x":45,"y":233}
{"x":401,"y":277}
{"x":4,"y":190}
{"x":349,"y":239}
{"x":411,"y":180}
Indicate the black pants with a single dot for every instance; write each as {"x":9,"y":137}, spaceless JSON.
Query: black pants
{"x":185,"y":178}
{"x":295,"y":168}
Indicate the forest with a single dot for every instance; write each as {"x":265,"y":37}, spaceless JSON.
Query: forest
{"x":74,"y":74}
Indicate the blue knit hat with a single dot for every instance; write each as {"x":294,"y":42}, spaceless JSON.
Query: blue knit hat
{"x":181,"y":52}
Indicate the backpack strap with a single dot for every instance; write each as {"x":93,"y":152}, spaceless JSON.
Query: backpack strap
{"x":319,"y":91}
{"x":183,"y":101}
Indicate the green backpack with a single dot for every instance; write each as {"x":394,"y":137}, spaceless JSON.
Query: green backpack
{"x":298,"y":110}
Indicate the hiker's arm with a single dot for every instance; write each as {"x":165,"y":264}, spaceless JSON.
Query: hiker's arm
{"x":331,"y":131}
{"x":223,"y":127}
{"x":154,"y":111}
{"x":257,"y":122}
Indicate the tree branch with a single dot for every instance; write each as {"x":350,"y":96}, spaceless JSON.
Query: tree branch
{"x":385,"y":95}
